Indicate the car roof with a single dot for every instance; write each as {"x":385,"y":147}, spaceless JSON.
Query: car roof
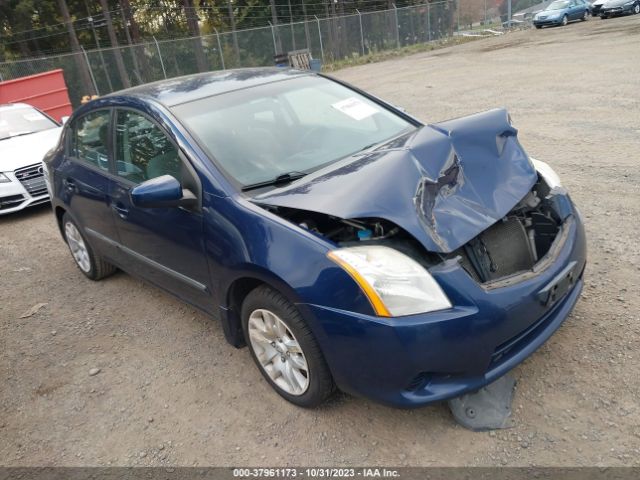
{"x":175,"y":91}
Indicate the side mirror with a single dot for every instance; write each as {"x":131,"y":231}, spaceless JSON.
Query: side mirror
{"x":64,"y":119}
{"x":162,"y":192}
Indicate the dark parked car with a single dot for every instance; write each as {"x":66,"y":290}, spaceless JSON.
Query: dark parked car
{"x":561,"y":12}
{"x":614,"y":8}
{"x":345,"y":242}
{"x":596,"y":7}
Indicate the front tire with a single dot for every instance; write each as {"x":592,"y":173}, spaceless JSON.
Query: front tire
{"x":585,"y":16}
{"x":284,"y":349}
{"x":636,"y":9}
{"x":565,"y":20}
{"x":89,"y":263}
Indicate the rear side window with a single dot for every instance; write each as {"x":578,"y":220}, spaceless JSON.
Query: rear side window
{"x":143,"y":150}
{"x":90,"y":139}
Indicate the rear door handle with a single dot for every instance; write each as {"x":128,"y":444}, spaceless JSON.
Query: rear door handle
{"x":69,"y":184}
{"x":122,"y":212}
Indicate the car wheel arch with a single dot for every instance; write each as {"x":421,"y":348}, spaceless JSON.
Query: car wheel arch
{"x":59,"y":212}
{"x":235,"y":293}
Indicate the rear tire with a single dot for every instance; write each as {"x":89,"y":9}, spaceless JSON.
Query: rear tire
{"x":284,"y":349}
{"x":89,"y":263}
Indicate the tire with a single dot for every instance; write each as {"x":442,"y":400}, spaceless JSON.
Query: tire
{"x":538,"y":26}
{"x":89,"y":263}
{"x":565,"y":20}
{"x":281,"y":350}
{"x":603,"y":16}
{"x":585,"y":16}
{"x":636,"y":9}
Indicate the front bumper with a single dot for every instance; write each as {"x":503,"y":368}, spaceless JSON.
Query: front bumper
{"x":420,"y":359}
{"x":19,"y":194}
{"x":614,"y":11}
{"x":547,"y":22}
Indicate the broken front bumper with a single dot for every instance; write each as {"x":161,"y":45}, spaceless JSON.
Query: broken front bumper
{"x":419,"y":359}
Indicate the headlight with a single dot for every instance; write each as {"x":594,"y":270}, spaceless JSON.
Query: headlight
{"x":550,"y":176}
{"x":394,"y":283}
{"x":4,"y":178}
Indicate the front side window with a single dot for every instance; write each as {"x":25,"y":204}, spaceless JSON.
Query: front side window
{"x":143,"y":150}
{"x":297,"y":125}
{"x":90,"y":139}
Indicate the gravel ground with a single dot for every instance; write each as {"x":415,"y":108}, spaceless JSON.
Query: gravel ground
{"x":170,"y":391}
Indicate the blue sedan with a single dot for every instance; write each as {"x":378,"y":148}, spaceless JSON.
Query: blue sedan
{"x":562,"y":12}
{"x":346,"y":243}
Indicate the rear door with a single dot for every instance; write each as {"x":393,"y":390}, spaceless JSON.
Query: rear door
{"x":86,"y":179}
{"x":166,"y":245}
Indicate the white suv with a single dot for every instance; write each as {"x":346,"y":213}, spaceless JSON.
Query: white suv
{"x":26,"y":134}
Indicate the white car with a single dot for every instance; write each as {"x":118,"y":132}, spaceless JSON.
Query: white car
{"x":26,"y":134}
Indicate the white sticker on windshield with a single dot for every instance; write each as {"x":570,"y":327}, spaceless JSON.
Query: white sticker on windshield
{"x":355,"y":108}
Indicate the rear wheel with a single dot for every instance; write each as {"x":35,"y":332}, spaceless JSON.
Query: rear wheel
{"x":89,"y":263}
{"x":284,"y":349}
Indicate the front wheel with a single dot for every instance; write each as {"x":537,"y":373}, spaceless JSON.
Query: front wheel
{"x":585,"y":16}
{"x":284,"y":349}
{"x":636,"y":9}
{"x":89,"y":263}
{"x":565,"y":20}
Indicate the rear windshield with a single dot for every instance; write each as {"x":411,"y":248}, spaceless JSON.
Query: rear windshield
{"x":23,"y":121}
{"x":296,"y":125}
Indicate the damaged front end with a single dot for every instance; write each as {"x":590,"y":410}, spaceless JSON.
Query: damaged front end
{"x":460,"y":189}
{"x":514,"y":248}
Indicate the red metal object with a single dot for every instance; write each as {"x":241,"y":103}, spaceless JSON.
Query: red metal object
{"x":46,"y":91}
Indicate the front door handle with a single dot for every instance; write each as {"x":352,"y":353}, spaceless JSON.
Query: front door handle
{"x":122,"y":211}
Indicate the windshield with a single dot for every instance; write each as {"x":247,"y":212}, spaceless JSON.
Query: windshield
{"x":297,"y":125}
{"x":558,"y":5}
{"x":22,"y":121}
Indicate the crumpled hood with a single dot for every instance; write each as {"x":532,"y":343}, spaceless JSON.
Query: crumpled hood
{"x":444,"y":183}
{"x":26,"y":150}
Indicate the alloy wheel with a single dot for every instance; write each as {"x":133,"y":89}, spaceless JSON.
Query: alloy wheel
{"x":636,"y":9}
{"x":278,"y":352}
{"x":564,"y":21}
{"x":77,"y":247}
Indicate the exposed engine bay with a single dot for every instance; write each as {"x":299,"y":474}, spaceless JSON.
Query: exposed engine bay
{"x":510,"y":246}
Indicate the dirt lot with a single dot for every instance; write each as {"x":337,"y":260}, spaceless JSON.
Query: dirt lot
{"x":171,"y":391}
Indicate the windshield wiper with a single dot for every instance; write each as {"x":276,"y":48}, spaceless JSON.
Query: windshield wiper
{"x":278,"y":181}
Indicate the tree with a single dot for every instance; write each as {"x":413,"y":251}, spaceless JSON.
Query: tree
{"x":75,"y":47}
{"x":194,"y":30}
{"x":117,"y":54}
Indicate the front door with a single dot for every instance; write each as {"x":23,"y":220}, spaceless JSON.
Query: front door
{"x":86,"y":181}
{"x":165,"y":245}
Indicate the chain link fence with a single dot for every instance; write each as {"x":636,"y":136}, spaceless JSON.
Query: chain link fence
{"x":329,"y":39}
